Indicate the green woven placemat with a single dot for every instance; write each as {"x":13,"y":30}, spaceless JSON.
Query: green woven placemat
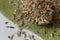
{"x":7,"y":7}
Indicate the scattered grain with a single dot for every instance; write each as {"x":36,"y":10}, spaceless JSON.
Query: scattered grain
{"x":23,"y":32}
{"x":25,"y":39}
{"x":32,"y":36}
{"x":10,"y":27}
{"x":18,"y":33}
{"x":25,"y":35}
{"x":6,"y":22}
{"x":11,"y":37}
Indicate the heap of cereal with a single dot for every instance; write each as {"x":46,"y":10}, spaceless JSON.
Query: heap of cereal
{"x":40,"y":12}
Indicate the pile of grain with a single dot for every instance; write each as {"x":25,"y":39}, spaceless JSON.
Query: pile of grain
{"x":40,"y":12}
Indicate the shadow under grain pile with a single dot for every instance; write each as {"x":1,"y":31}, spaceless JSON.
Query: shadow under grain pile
{"x":40,"y":12}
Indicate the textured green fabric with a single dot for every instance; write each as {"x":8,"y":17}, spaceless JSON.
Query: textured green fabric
{"x":47,"y":33}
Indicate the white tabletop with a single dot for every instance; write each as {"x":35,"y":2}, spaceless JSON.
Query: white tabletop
{"x":5,"y":32}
